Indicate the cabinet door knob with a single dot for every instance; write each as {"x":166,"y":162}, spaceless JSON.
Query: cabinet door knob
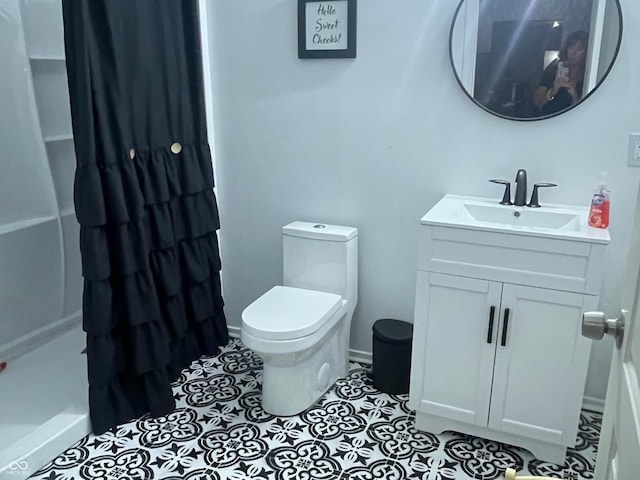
{"x":596,"y":324}
{"x":492,"y":312}
{"x":505,"y":327}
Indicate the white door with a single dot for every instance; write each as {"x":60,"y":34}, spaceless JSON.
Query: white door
{"x":619,"y":449}
{"x":460,"y":315}
{"x":540,"y":351}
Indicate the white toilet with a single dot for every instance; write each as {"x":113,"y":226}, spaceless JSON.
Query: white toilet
{"x":301,"y":330}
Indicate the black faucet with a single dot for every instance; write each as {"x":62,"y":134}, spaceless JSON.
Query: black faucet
{"x":521,"y":188}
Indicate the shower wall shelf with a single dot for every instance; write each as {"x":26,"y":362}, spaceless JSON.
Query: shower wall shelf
{"x":22,"y":224}
{"x":68,"y":212}
{"x":58,"y":138}
{"x":47,"y":58}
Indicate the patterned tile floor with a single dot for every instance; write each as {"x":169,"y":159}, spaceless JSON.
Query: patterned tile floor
{"x":219,"y":431}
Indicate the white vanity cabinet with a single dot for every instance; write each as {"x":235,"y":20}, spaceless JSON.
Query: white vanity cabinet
{"x":497,"y":349}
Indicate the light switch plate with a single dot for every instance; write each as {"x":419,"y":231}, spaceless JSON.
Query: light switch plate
{"x":633,"y":159}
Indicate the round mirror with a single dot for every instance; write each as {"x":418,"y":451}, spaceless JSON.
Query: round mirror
{"x":533,"y":59}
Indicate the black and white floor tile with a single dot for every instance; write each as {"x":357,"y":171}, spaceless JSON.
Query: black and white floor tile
{"x":354,"y":432}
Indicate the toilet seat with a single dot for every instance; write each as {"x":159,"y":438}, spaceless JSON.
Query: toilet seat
{"x":286,"y":313}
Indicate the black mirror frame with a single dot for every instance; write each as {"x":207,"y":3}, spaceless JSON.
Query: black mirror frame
{"x":532,"y":119}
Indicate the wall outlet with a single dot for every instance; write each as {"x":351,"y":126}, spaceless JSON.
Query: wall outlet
{"x":634,"y":150}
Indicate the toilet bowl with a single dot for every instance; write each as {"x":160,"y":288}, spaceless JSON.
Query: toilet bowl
{"x":301,"y":330}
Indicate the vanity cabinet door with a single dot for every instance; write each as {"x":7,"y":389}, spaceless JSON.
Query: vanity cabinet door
{"x":453,"y":350}
{"x":540,"y":372}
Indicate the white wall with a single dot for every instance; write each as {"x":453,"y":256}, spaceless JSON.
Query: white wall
{"x":375,"y":141}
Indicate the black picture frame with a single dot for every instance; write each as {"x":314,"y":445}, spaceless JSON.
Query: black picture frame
{"x":330,"y":20}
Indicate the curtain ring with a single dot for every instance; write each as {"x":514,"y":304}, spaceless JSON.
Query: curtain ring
{"x":176,"y":148}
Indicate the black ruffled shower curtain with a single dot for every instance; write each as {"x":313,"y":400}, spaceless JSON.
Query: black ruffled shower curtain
{"x":144,"y":200}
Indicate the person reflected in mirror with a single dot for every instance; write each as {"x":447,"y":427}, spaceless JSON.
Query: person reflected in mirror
{"x":562,"y":81}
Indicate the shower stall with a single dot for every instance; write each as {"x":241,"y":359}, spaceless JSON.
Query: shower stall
{"x":43,"y":389}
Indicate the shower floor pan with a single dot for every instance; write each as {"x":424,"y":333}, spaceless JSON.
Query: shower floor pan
{"x":43,"y":403}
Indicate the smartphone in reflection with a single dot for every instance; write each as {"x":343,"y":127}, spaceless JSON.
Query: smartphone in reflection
{"x":562,"y":72}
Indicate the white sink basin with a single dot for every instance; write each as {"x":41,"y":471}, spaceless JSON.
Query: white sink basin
{"x":522,"y":217}
{"x":487,"y":214}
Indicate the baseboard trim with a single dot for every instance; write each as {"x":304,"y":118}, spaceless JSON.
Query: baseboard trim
{"x":234,"y":332}
{"x":593,"y":404}
{"x":38,"y":337}
{"x":360,"y":356}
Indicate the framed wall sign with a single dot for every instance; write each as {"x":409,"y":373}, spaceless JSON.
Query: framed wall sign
{"x":326,"y":28}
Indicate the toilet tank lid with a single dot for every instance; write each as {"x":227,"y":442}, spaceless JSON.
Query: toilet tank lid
{"x":321,"y":231}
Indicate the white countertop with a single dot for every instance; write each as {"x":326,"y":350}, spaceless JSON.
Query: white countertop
{"x":550,"y":220}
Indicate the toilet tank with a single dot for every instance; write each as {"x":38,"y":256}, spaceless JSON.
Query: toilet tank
{"x":321,"y":257}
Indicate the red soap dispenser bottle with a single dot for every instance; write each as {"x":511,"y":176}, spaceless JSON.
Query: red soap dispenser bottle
{"x":600,"y":202}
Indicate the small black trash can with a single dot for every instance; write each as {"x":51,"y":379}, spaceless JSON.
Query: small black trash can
{"x":391,"y":355}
